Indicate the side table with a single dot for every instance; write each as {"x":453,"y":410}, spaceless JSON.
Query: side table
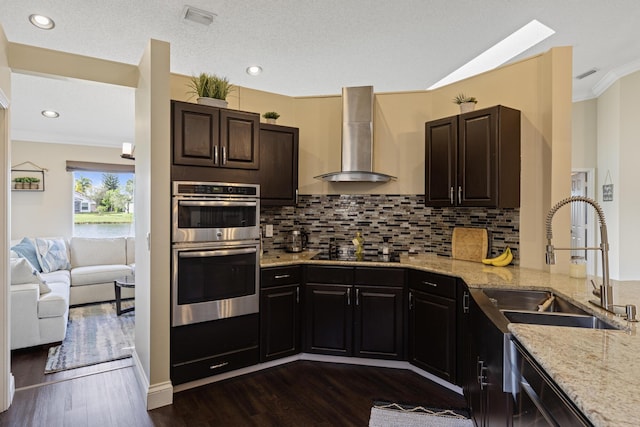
{"x":118,"y":284}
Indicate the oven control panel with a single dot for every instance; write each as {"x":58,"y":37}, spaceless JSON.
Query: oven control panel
{"x":213,"y":188}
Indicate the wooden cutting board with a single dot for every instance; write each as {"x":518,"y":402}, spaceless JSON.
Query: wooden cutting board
{"x":469,"y":244}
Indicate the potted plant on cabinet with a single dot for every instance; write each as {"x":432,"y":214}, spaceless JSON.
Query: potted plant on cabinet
{"x":466,"y":103}
{"x":271,"y":116}
{"x":210,"y":89}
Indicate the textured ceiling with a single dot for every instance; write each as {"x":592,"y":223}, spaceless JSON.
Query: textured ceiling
{"x":305,"y":47}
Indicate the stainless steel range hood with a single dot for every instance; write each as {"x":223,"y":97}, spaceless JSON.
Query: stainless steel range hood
{"x":357,"y":139}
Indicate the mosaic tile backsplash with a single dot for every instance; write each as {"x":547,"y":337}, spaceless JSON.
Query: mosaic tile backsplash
{"x":411,"y":227}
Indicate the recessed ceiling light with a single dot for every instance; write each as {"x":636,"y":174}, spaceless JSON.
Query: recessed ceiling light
{"x":42,"y":22}
{"x":254,"y":70}
{"x":524,"y":38}
{"x":50,"y":114}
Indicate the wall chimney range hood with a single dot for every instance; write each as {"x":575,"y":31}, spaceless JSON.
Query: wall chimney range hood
{"x":357,"y":139}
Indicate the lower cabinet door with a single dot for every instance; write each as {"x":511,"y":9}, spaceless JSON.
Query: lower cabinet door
{"x":279,"y":320}
{"x":328,"y":319}
{"x":379,"y":323}
{"x":432,"y":334}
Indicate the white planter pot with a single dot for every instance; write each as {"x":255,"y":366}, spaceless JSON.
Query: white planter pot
{"x":213,"y":102}
{"x":272,"y":121}
{"x":465,"y":107}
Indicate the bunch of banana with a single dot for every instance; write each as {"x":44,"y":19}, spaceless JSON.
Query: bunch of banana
{"x":501,"y":260}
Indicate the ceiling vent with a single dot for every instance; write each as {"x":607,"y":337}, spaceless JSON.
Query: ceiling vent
{"x":200,"y":16}
{"x":586,"y":74}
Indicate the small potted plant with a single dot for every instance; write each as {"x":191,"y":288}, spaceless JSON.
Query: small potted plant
{"x":210,"y":89}
{"x":466,"y":103}
{"x":20,"y":182}
{"x":271,"y":116}
{"x":34,"y":183}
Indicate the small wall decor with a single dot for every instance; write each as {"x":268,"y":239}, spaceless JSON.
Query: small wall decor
{"x":607,"y":189}
{"x":27,"y":179}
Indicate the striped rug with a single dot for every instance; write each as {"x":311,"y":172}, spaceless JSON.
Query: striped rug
{"x":95,"y":334}
{"x":387,"y":414}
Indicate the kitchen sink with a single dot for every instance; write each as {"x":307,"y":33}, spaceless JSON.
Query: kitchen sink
{"x":556,"y":319}
{"x":528,"y":300}
{"x":541,"y":308}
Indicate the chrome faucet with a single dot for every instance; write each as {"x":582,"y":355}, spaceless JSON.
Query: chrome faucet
{"x":606,"y":291}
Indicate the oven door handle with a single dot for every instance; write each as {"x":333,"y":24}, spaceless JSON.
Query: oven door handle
{"x":215,"y":203}
{"x":216,"y":252}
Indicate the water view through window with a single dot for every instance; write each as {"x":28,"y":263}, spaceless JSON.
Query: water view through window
{"x":103,"y":204}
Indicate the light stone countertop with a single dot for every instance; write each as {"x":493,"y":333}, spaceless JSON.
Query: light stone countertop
{"x":598,"y":369}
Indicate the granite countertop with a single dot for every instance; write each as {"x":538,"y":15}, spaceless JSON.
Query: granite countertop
{"x":598,"y":369}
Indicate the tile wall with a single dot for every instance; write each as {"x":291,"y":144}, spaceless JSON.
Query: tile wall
{"x":411,"y":226}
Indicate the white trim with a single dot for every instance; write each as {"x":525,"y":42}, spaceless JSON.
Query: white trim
{"x":4,"y":101}
{"x":395,"y":364}
{"x":156,"y":395}
{"x":614,"y":75}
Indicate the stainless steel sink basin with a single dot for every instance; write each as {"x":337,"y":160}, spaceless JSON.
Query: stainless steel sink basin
{"x":529,"y":300}
{"x":557,"y":319}
{"x":541,"y":308}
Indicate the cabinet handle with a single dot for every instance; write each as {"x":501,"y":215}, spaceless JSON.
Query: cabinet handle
{"x":435,"y":285}
{"x":459,"y":194}
{"x":297,"y":294}
{"x":451,"y":194}
{"x":219,"y":365}
{"x":410,"y":301}
{"x":349,"y":296}
{"x":296,"y":196}
{"x":357,"y":296}
{"x":465,"y":302}
{"x":215,"y":155}
{"x":482,"y":376}
{"x":281,"y":276}
{"x":224,"y":155}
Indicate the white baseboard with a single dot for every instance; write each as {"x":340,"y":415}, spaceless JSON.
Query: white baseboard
{"x":396,"y":364}
{"x":156,"y":395}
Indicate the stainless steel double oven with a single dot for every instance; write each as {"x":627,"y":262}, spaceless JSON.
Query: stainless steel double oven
{"x":215,"y":251}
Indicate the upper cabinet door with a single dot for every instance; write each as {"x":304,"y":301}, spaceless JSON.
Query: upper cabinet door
{"x":239,"y":139}
{"x":195,"y":134}
{"x":440,"y":171}
{"x":477,"y":172}
{"x":278,"y":165}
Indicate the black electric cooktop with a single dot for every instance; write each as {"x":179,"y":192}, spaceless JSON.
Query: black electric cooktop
{"x":327,"y":256}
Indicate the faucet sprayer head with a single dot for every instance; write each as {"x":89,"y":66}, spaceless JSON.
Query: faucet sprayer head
{"x":550,"y":255}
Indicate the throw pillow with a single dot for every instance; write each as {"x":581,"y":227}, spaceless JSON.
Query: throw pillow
{"x":52,"y":254}
{"x":23,"y":272}
{"x":27,"y":249}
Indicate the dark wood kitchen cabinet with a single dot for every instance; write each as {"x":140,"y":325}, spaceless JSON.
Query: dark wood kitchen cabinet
{"x":483,"y":371}
{"x":280,"y":312}
{"x":355,"y":311}
{"x":432,"y":323}
{"x":473,"y":159}
{"x":278,"y":173}
{"x":214,"y":137}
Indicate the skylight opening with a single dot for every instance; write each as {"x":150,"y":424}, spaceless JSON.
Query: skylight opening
{"x":521,"y":40}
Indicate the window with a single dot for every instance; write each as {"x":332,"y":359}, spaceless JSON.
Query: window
{"x":103,"y":200}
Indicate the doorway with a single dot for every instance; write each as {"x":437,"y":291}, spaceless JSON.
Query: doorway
{"x":582,"y":219}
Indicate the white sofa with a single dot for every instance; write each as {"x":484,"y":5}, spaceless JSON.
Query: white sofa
{"x":93,"y":265}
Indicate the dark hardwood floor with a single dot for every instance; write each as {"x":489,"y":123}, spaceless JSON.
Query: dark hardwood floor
{"x":300,"y":393}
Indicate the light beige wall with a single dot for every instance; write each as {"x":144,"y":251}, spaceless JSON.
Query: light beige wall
{"x":50,"y":212}
{"x":6,"y":379}
{"x":153,"y":199}
{"x":584,"y":140}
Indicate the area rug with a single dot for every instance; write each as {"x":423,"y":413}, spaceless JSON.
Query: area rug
{"x":95,"y":334}
{"x":387,"y":414}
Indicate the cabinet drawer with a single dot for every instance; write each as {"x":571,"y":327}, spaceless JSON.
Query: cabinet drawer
{"x":435,"y":284}
{"x":276,"y":276}
{"x":383,"y":276}
{"x":202,"y":368}
{"x":330,"y":274}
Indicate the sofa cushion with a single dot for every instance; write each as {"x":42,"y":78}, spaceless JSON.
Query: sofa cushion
{"x":56,"y":302}
{"x":52,"y":254}
{"x":63,"y":276}
{"x":93,"y":274}
{"x":27,"y":249}
{"x":23,"y":272}
{"x":86,"y":251}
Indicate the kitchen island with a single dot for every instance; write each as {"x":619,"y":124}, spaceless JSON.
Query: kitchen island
{"x":598,"y":369}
